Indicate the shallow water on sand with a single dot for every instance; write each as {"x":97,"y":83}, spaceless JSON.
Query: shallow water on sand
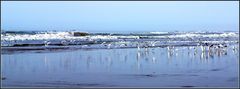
{"x":130,"y":67}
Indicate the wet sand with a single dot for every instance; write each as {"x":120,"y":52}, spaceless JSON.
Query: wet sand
{"x":129,"y":67}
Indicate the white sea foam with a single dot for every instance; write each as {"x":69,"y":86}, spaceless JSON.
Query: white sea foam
{"x":159,"y":32}
{"x":122,"y":40}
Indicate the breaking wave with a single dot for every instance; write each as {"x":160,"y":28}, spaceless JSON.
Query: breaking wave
{"x":73,"y":39}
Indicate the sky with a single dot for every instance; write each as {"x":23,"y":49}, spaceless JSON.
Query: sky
{"x":120,"y":16}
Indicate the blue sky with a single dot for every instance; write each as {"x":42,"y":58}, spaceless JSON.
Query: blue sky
{"x":124,"y":16}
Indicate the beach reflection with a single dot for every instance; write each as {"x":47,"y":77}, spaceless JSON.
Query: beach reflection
{"x":108,"y":57}
{"x":58,"y":65}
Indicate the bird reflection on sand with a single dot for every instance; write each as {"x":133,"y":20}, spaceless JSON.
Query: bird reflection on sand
{"x":145,"y":53}
{"x":141,"y":61}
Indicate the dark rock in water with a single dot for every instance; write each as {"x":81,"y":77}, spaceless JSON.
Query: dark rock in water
{"x":149,"y":75}
{"x":215,"y":69}
{"x":187,"y":86}
{"x":3,"y":78}
{"x":80,"y":34}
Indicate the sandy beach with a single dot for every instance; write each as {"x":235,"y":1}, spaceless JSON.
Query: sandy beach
{"x":185,"y":66}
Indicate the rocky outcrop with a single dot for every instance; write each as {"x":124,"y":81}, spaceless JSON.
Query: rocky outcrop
{"x":80,"y":34}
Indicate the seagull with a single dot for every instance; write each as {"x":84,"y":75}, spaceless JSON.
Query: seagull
{"x":109,"y":45}
{"x":46,"y":43}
